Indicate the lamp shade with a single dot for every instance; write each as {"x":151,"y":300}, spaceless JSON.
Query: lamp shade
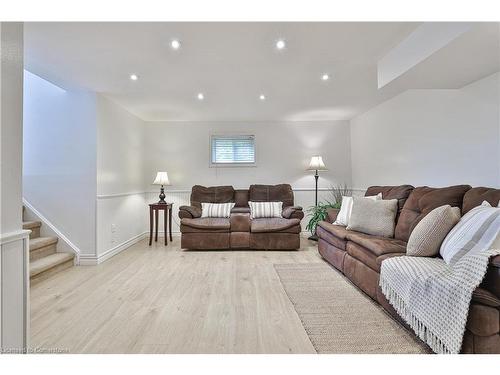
{"x":317,"y":164}
{"x":161,"y":179}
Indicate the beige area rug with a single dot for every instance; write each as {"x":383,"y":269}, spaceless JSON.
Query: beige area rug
{"x":338,"y":318}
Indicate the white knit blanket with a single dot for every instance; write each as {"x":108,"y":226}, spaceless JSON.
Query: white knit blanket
{"x":433,"y":297}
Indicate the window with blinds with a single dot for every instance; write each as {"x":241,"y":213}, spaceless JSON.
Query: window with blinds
{"x":232,"y":150}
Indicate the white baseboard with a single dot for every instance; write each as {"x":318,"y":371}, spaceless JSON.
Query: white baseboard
{"x":92,"y":260}
{"x":87,"y":260}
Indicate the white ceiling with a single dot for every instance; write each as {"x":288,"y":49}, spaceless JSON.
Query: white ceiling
{"x":233,"y":63}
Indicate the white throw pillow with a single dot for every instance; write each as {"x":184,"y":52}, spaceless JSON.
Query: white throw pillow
{"x":265,"y":209}
{"x":216,"y":209}
{"x":476,"y":231}
{"x":346,"y":209}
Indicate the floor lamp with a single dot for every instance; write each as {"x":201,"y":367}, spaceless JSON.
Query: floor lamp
{"x":316,"y":165}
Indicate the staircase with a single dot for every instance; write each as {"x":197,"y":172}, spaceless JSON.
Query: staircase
{"x":44,"y":258}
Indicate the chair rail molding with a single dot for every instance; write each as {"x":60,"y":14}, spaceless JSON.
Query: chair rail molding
{"x":124,"y":194}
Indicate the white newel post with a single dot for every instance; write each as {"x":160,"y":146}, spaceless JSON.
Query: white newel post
{"x":14,"y":241}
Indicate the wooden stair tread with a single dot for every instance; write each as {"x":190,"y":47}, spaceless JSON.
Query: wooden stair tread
{"x":40,"y":265}
{"x":31,"y":224}
{"x":37,"y":243}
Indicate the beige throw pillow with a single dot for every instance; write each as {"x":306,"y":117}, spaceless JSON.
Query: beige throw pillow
{"x":376,"y":217}
{"x":346,"y":209}
{"x":428,"y":235}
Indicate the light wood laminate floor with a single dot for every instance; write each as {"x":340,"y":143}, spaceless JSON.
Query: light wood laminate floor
{"x":164,"y":300}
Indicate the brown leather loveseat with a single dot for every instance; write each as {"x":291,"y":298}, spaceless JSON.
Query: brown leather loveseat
{"x":359,"y":256}
{"x":240,"y":231}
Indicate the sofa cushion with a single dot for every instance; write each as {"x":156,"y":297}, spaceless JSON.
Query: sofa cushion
{"x":338,"y":231}
{"x":332,"y":254}
{"x":361,"y":275}
{"x":367,"y":257}
{"x":213,"y":194}
{"x":362,"y":254}
{"x":241,"y":198}
{"x":333,"y":234}
{"x":475,"y":196}
{"x":278,"y":241}
{"x":206,"y":224}
{"x":400,"y":193}
{"x":271,"y":193}
{"x":266,"y":225}
{"x":240,"y":222}
{"x":423,"y":200}
{"x":377,"y":245}
{"x":204,"y":240}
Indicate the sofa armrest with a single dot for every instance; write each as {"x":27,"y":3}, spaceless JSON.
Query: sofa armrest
{"x":491,"y":281}
{"x":189,"y":212}
{"x":495,"y":261}
{"x":332,"y":214}
{"x":293,"y":212}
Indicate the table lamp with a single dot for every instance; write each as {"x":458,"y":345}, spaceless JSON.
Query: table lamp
{"x":161,"y":179}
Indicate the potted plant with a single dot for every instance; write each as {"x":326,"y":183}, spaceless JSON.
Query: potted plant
{"x":320,"y":212}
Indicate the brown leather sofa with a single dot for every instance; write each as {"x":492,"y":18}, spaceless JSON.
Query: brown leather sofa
{"x":359,"y":256}
{"x":240,"y":231}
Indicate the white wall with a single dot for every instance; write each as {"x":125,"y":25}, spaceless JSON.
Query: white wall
{"x":120,"y":169}
{"x":283,"y":152}
{"x":14,"y":283}
{"x":12,"y":131}
{"x":82,"y":152}
{"x":430,"y":137}
{"x":59,"y":166}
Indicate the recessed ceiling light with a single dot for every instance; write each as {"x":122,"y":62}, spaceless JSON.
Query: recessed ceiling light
{"x":325,"y":77}
{"x":175,"y":44}
{"x":280,"y":44}
{"x":200,"y":96}
{"x":134,"y":77}
{"x":262,"y":97}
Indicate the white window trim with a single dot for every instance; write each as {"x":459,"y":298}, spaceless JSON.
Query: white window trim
{"x":211,"y":164}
